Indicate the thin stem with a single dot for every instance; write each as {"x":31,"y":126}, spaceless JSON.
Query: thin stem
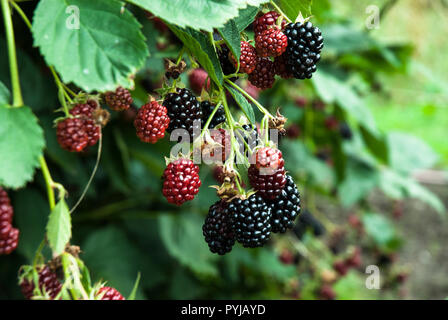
{"x":248,"y":96}
{"x":100,"y":144}
{"x":48,"y":181}
{"x":62,"y":93}
{"x":210,"y":118}
{"x":21,"y":13}
{"x":13,"y":67}
{"x":280,"y":11}
{"x":181,"y":54}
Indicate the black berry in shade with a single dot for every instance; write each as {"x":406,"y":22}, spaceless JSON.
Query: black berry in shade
{"x":251,"y":220}
{"x":345,"y":131}
{"x":217,"y":229}
{"x":281,"y":67}
{"x":49,"y":284}
{"x":248,"y":58}
{"x":305,"y":43}
{"x":109,"y":293}
{"x":267,"y":173}
{"x":151,"y":122}
{"x":306,"y":222}
{"x":263,"y":76}
{"x":183,"y":109}
{"x":207,"y":109}
{"x":118,"y":100}
{"x":285,"y":208}
{"x":72,"y":134}
{"x":224,"y":59}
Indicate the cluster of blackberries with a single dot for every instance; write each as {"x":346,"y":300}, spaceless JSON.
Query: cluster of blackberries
{"x":9,"y":236}
{"x":250,"y":220}
{"x":295,"y":48}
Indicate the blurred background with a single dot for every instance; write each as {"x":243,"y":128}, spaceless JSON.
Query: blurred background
{"x":366,"y":145}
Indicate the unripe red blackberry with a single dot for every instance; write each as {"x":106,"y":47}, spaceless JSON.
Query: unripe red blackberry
{"x":221,"y":146}
{"x":281,"y":67}
{"x":6,"y":211}
{"x":267,"y":20}
{"x":110,"y":293}
{"x":248,"y":58}
{"x":86,"y":111}
{"x":267,"y":173}
{"x":207,"y":109}
{"x":49,"y":284}
{"x":151,"y":122}
{"x":72,"y":134}
{"x":271,"y":43}
{"x":217,"y":229}
{"x":251,"y":220}
{"x":9,"y":243}
{"x":118,"y":100}
{"x":184,"y":110}
{"x":181,"y":181}
{"x":305,"y":43}
{"x":286,"y":207}
{"x":263,"y":76}
{"x":341,"y":267}
{"x":199,"y":80}
{"x":326,"y":292}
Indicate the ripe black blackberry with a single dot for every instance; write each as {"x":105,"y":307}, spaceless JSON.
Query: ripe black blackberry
{"x":224,"y":59}
{"x":251,"y":220}
{"x":285,"y":208}
{"x":305,"y":43}
{"x":217,"y":229}
{"x":345,"y":131}
{"x":183,"y":109}
{"x":207,"y":109}
{"x":306,"y":222}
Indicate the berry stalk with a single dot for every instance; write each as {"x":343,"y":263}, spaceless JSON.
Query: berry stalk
{"x":280,"y":11}
{"x":13,"y":67}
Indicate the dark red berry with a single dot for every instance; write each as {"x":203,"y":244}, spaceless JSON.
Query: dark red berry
{"x":218,"y":174}
{"x":326,"y":292}
{"x":301,"y":102}
{"x":287,"y":257}
{"x":331,"y":123}
{"x":263,"y":76}
{"x":281,"y":67}
{"x":267,"y":173}
{"x":217,"y":229}
{"x":267,"y":20}
{"x":72,"y":135}
{"x":49,"y":284}
{"x":341,"y":267}
{"x":199,"y":80}
{"x":10,"y":242}
{"x":271,"y":43}
{"x":355,"y":259}
{"x":248,"y":58}
{"x":109,"y":293}
{"x":151,"y":122}
{"x":85,"y":111}
{"x":293,"y":131}
{"x":181,"y":181}
{"x":118,"y":100}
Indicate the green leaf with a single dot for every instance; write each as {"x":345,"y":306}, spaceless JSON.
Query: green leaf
{"x":59,"y":227}
{"x":409,"y":153}
{"x":5,"y":95}
{"x":106,"y":49}
{"x":359,"y":181}
{"x":21,"y":145}
{"x":231,"y":36}
{"x":183,"y":239}
{"x":245,"y":17}
{"x":292,"y":8}
{"x":199,"y":14}
{"x":135,"y":288}
{"x":200,"y":47}
{"x":381,"y":230}
{"x":353,"y":287}
{"x":376,"y":143}
{"x":243,"y":103}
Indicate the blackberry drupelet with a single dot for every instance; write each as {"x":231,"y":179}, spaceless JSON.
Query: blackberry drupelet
{"x":183,"y":109}
{"x":151,"y":122}
{"x":217,"y":229}
{"x":285,"y":208}
{"x":110,"y":293}
{"x":118,"y":100}
{"x":248,"y":58}
{"x":251,"y":221}
{"x":263,"y":76}
{"x":305,"y":43}
{"x":207,"y":109}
